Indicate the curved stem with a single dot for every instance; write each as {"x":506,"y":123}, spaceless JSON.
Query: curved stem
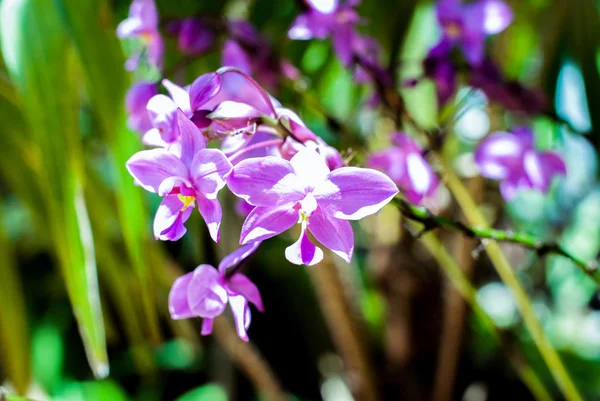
{"x":460,"y":281}
{"x":260,"y":145}
{"x":334,"y":303}
{"x":506,"y":273}
{"x":432,"y":221}
{"x":249,"y":360}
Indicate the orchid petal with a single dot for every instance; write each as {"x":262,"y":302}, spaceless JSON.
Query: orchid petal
{"x":241,"y":315}
{"x":310,"y":167}
{"x":497,"y":16}
{"x":180,"y":96}
{"x":169,"y":219}
{"x":203,"y":89}
{"x":211,"y":212}
{"x":242,"y":285}
{"x":267,"y":221}
{"x":235,"y":56}
{"x":150,"y":168}
{"x":499,"y":155}
{"x":351,"y":193}
{"x":179,"y":307}
{"x":235,"y":115}
{"x":163,"y":115}
{"x":206,"y":296}
{"x":207,"y":326}
{"x":541,"y":167}
{"x":238,"y":255}
{"x":335,"y":234}
{"x":303,"y":251}
{"x":265,"y":181}
{"x":323,"y":6}
{"x":208,"y":171}
{"x":192,"y":141}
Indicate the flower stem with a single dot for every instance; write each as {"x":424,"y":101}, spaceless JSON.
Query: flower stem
{"x":249,"y":360}
{"x":335,"y":305}
{"x":500,"y":262}
{"x":462,"y":284}
{"x":432,"y":221}
{"x":259,"y":145}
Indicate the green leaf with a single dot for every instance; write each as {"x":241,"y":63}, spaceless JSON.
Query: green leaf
{"x":14,"y":334}
{"x":209,"y":392}
{"x":89,"y":23}
{"x":41,"y":63}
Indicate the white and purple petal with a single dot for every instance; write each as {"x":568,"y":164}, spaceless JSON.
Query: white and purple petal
{"x":500,"y":155}
{"x":210,"y":210}
{"x":208,"y":171}
{"x":179,"y":307}
{"x":240,"y":284}
{"x":303,"y":251}
{"x":238,"y":255}
{"x":335,"y":234}
{"x":170,"y":218}
{"x":265,"y":181}
{"x":351,"y":193}
{"x":207,"y":297}
{"x":267,"y":221}
{"x":150,"y":168}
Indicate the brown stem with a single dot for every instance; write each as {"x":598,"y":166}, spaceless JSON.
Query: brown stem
{"x":249,"y":360}
{"x":333,"y":301}
{"x":454,"y":313}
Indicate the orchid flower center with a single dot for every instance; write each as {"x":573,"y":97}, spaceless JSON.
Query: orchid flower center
{"x":453,"y":30}
{"x":306,"y":207}
{"x":186,"y":200}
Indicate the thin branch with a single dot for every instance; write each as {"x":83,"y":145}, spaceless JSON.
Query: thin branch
{"x":249,"y":361}
{"x":432,"y":221}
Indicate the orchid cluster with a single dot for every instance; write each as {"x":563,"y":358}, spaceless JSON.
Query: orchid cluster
{"x":225,"y":131}
{"x":268,"y":158}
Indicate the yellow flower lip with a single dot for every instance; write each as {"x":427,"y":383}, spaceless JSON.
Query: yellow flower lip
{"x":186,"y":200}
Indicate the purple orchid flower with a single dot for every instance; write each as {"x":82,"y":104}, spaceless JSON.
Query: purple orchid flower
{"x":405,"y":165}
{"x":194,"y":36}
{"x":206,"y":291}
{"x":442,"y":72}
{"x":186,"y":174}
{"x":136,"y":99}
{"x":248,"y":51}
{"x":510,"y":94}
{"x":511,"y":157}
{"x":467,"y":25}
{"x":304,"y":191}
{"x":163,"y":109}
{"x":142,"y":23}
{"x":328,"y":18}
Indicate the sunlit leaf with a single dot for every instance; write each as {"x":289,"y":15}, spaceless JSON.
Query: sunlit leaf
{"x":90,"y":23}
{"x":41,"y":64}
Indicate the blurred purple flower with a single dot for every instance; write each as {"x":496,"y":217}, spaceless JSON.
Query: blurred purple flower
{"x":162,"y":109}
{"x":442,"y":72}
{"x":304,"y":191}
{"x":252,"y":54}
{"x":142,"y":23}
{"x":511,"y":157}
{"x":194,"y":36}
{"x":404,"y":164}
{"x":467,"y":25}
{"x":206,"y":291}
{"x":185,"y":174}
{"x":136,"y":99}
{"x":510,"y":94}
